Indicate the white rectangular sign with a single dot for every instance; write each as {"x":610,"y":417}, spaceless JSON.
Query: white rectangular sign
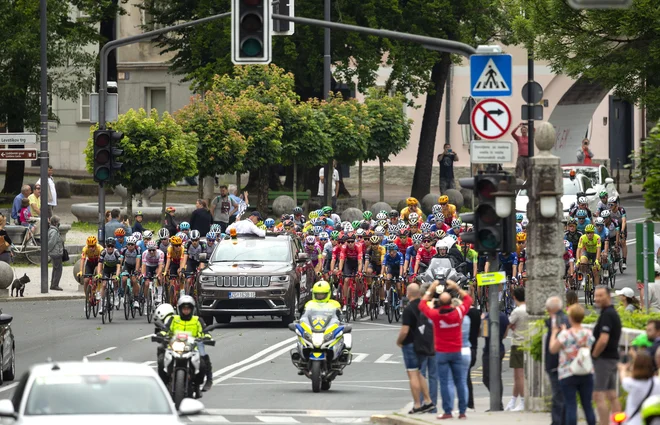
{"x":18,"y":138}
{"x":491,"y":152}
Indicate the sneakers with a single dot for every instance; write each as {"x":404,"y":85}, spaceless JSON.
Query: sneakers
{"x":520,"y":407}
{"x":368,"y":293}
{"x":381,"y":310}
{"x":625,"y":266}
{"x":462,"y":416}
{"x":511,"y":404}
{"x":422,"y":409}
{"x":445,"y":416}
{"x":136,"y":304}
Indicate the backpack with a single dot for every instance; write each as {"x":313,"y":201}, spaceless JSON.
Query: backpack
{"x":423,"y":335}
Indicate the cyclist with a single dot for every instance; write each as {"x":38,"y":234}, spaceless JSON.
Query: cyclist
{"x":455,"y":227}
{"x":392,"y":268}
{"x":152,"y":267}
{"x":618,"y":213}
{"x":109,"y":266}
{"x":604,"y":234}
{"x":350,"y":262}
{"x":602,"y":203}
{"x":448,"y":210}
{"x":582,"y":204}
{"x":521,"y":250}
{"x":368,"y":219}
{"x":298,"y":216}
{"x":508,"y":265}
{"x":414,"y":224}
{"x":174,"y":256}
{"x":403,"y":241}
{"x":471,"y":258}
{"x":338,"y":243}
{"x":132,"y":256}
{"x":589,"y":250}
{"x":314,"y":252}
{"x":572,"y":234}
{"x":435,"y":210}
{"x":424,"y":254}
{"x":412,"y":207}
{"x":411,"y":254}
{"x":582,"y":220}
{"x":328,"y":247}
{"x":190,"y":261}
{"x":184,"y":227}
{"x":120,"y":238}
{"x":373,"y":260}
{"x":612,"y":227}
{"x":90,"y":259}
{"x":210,"y":243}
{"x":328,"y":212}
{"x":393,"y":218}
{"x":164,"y":242}
{"x":439,"y":223}
{"x":569,"y":260}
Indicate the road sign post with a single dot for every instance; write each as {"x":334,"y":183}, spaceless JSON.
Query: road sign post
{"x":495,"y":152}
{"x":491,"y":119}
{"x":645,"y":256}
{"x":18,"y":138}
{"x":18,"y":154}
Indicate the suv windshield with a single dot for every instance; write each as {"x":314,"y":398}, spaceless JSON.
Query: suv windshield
{"x":590,"y":172}
{"x":258,"y":249}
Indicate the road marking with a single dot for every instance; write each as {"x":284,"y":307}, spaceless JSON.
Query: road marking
{"x":8,"y":387}
{"x":209,"y":419}
{"x":294,"y":412}
{"x":252,"y":365}
{"x":143,"y":337}
{"x":277,"y":419}
{"x":254,"y":357}
{"x":382,"y":324}
{"x":358,"y":357}
{"x":347,"y":420}
{"x":385,"y":358}
{"x":97,"y":353}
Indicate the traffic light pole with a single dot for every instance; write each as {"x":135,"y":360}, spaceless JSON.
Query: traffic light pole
{"x":327,"y":86}
{"x":494,"y":362}
{"x":43,"y":154}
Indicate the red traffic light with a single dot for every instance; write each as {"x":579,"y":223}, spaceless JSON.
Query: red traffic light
{"x":102,"y":140}
{"x":486,"y":188}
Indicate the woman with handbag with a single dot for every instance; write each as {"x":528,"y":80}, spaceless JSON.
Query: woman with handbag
{"x":638,"y":380}
{"x":56,"y":251}
{"x":575,"y":366}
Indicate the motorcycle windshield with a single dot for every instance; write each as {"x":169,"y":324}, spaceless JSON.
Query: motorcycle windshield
{"x":319,"y":319}
{"x":438,"y":268}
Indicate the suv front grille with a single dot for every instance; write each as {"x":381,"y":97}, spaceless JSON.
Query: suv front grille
{"x":243,"y":304}
{"x":243,"y":281}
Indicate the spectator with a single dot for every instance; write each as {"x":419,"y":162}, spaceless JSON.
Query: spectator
{"x":249,"y":226}
{"x":475,"y":324}
{"x":16,"y":205}
{"x":242,"y":201}
{"x":5,"y":241}
{"x":466,"y":351}
{"x":52,"y":192}
{"x":335,"y":185}
{"x":417,"y":346}
{"x":429,"y":368}
{"x":170,"y":222}
{"x":201,"y":219}
{"x":523,"y":151}
{"x":567,"y":342}
{"x":628,"y":300}
{"x":446,"y":160}
{"x":518,"y":325}
{"x":35,"y":201}
{"x":485,"y":358}
{"x":115,"y":224}
{"x":55,"y":250}
{"x":553,"y":306}
{"x":639,"y":381}
{"x":24,"y":216}
{"x":653,"y":334}
{"x":137,"y":226}
{"x":448,"y":344}
{"x":571,"y":298}
{"x":606,"y":355}
{"x":222,"y":207}
{"x":584,"y":155}
{"x":107,"y":216}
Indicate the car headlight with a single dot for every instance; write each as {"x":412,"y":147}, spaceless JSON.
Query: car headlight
{"x":178,"y":346}
{"x":283,"y":278}
{"x":317,"y":339}
{"x":207,"y":280}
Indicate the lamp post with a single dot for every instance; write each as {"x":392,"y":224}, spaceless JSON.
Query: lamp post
{"x":504,"y":199}
{"x":548,"y":198}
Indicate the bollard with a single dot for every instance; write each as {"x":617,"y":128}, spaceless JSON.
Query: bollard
{"x":630,"y":177}
{"x":618,"y":175}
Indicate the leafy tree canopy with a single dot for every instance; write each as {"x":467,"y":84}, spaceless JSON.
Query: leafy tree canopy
{"x":389,"y":127}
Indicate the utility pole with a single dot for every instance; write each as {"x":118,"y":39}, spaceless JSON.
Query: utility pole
{"x":43,"y":154}
{"x":530,"y":104}
{"x":327,"y":81}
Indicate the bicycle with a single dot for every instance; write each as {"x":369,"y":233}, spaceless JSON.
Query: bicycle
{"x":393,"y":304}
{"x":30,"y":247}
{"x":109,"y":299}
{"x":351,"y":302}
{"x":586,"y":279}
{"x":188,"y":280}
{"x":374,"y":299}
{"x":617,"y":258}
{"x":151,"y":301}
{"x":507,"y":296}
{"x":92,"y":297}
{"x":129,"y":299}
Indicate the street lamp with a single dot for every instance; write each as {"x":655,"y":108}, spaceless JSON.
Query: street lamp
{"x":503,"y":199}
{"x":548,"y":198}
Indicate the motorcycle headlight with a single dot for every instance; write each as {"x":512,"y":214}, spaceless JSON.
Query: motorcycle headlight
{"x":327,"y":337}
{"x":317,"y":339}
{"x":178,"y":346}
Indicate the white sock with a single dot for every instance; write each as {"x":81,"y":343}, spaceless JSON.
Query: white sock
{"x":522,"y":400}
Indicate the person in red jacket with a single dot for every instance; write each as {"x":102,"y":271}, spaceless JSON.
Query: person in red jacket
{"x":447,"y":331}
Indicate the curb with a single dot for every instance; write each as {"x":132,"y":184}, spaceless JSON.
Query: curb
{"x":46,"y":298}
{"x":395,"y":419}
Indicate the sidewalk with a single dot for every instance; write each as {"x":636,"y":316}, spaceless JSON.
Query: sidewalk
{"x":33,"y":288}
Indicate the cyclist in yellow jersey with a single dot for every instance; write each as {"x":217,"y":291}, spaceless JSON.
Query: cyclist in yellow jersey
{"x":174,"y":255}
{"x":91,"y":253}
{"x":412,"y":207}
{"x":588,"y":250}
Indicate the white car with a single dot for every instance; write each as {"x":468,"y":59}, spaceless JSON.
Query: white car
{"x":572,"y":186}
{"x":99,"y":393}
{"x":598,"y":174}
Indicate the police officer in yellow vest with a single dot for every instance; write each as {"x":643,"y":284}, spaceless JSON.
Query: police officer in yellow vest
{"x":321,"y":298}
{"x":186,"y":322}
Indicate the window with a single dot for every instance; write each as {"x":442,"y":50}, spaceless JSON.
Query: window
{"x":147,"y":21}
{"x":82,"y":14}
{"x":603,"y":174}
{"x":84,"y":106}
{"x":157,"y":99}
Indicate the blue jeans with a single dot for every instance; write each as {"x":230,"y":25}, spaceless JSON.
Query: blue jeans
{"x":571,"y":386}
{"x":452,"y":363}
{"x":428,"y":364}
{"x":450,"y":380}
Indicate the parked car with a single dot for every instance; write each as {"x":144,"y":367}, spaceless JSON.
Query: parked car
{"x":103,"y":392}
{"x":253,"y":276}
{"x":598,"y":174}
{"x":7,"y":349}
{"x":572,"y":186}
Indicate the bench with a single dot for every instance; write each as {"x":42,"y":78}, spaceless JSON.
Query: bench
{"x":303,"y":197}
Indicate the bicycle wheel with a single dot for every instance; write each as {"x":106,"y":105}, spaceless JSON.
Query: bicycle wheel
{"x":128,"y":304}
{"x":348,"y":307}
{"x":397,"y":311}
{"x":111,"y":302}
{"x":587,"y":298}
{"x":88,"y":307}
{"x":149,"y":303}
{"x":621,"y":265}
{"x":173,"y":295}
{"x":612,"y":281}
{"x":117,"y":298}
{"x":33,"y":252}
{"x":390,"y":306}
{"x":354,"y":306}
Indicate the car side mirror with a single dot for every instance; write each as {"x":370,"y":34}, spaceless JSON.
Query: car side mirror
{"x":6,"y":319}
{"x":609,"y":180}
{"x":7,"y":409}
{"x":302,"y":257}
{"x":190,"y":406}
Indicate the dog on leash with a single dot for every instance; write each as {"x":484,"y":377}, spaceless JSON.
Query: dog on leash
{"x":19,"y":285}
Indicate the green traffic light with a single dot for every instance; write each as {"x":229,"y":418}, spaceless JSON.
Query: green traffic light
{"x":489,"y":239}
{"x":251,"y":47}
{"x":102,"y":173}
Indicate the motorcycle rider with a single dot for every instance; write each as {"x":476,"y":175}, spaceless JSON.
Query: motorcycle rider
{"x":186,"y":322}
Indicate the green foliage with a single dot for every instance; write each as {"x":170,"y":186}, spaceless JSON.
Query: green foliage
{"x":650,"y":161}
{"x":389,"y":127}
{"x":156,"y":150}
{"x":305,"y":139}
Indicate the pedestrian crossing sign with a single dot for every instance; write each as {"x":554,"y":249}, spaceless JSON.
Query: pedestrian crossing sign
{"x":491,"y":75}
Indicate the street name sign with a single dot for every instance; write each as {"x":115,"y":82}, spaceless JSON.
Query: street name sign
{"x":18,"y":138}
{"x":491,"y":119}
{"x":491,"y":75}
{"x":495,"y":152}
{"x":494,"y":278}
{"x":18,"y":154}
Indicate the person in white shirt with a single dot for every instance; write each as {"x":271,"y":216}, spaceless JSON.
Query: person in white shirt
{"x":335,"y":186}
{"x":248,"y":226}
{"x":52,"y":193}
{"x":518,"y":321}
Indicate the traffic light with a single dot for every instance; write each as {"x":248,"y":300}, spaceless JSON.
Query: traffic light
{"x":106,"y":154}
{"x":251,"y":32}
{"x":488,"y":228}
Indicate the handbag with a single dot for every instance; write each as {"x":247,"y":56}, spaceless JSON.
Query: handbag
{"x":65,"y":255}
{"x":582,"y":364}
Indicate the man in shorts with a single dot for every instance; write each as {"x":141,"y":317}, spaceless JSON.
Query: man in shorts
{"x":518,"y":325}
{"x":605,"y":353}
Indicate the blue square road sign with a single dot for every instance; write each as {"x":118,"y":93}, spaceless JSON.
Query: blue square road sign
{"x":491,"y":75}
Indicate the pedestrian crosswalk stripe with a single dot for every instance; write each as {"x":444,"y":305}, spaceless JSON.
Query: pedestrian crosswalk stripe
{"x":215,"y":419}
{"x":277,"y":419}
{"x":347,"y":420}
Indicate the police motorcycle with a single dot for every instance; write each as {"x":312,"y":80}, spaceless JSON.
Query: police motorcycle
{"x":441,"y":269}
{"x":323,"y":349}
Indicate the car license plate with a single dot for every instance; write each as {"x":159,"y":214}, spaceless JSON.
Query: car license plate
{"x":235,"y":295}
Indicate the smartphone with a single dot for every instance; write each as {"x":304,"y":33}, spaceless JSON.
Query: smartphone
{"x":624,"y":358}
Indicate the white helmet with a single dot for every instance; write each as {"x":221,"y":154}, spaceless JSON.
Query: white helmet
{"x":163,"y":233}
{"x":599,"y":221}
{"x":148,"y":234}
{"x":582,"y":200}
{"x":611,"y":200}
{"x":164,"y":311}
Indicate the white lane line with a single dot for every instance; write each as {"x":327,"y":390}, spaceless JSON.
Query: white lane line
{"x":252,"y":365}
{"x":358,"y":357}
{"x":385,"y":358}
{"x":143,"y":337}
{"x":105,"y":350}
{"x":277,"y":419}
{"x":348,"y":420}
{"x":209,"y":419}
{"x":382,"y":324}
{"x":8,"y":387}
{"x":254,"y":357}
{"x":294,"y":412}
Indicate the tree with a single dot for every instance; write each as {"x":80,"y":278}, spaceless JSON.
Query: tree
{"x":650,"y":162}
{"x":614,"y":48}
{"x":389,"y":129}
{"x":70,"y":66}
{"x":157,"y":152}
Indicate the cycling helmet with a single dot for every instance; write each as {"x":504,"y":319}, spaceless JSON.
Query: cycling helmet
{"x":120,"y":232}
{"x":355,"y":224}
{"x":297,"y":210}
{"x":439,"y":217}
{"x":321,"y":291}
{"x":374,"y":240}
{"x":184,"y":226}
{"x":605,"y":213}
{"x":334,"y":235}
{"x":184,"y":237}
{"x":403,"y":232}
{"x":148,"y":234}
{"x":391,"y":239}
{"x":323,"y":236}
{"x":443,"y":200}
{"x":137,"y":236}
{"x":599,"y":221}
{"x":392,"y":247}
{"x":287,"y":223}
{"x":602,"y":194}
{"x":131,"y":240}
{"x":381,"y":223}
{"x":318,"y":230}
{"x":194,"y":235}
{"x":440,"y":234}
{"x":611,"y":200}
{"x":455,"y":223}
{"x":425,"y":227}
{"x":413,"y":221}
{"x":269,"y":222}
{"x":437,"y":209}
{"x":164,"y":311}
{"x":411,"y":201}
{"x":581,"y":214}
{"x":519,"y":217}
{"x":582,"y":200}
{"x":110,"y":242}
{"x":359,"y":232}
{"x":92,"y":241}
{"x":176,"y":240}
{"x":151,"y":245}
{"x":327,"y":210}
{"x":310,"y":240}
{"x":348,"y":228}
{"x":320,"y":212}
{"x":651,"y":410}
{"x":572,"y":220}
{"x":162,"y":233}
{"x":215,"y":228}
{"x":521,"y":236}
{"x":567,"y":244}
{"x":417,"y":238}
{"x":286,"y":217}
{"x":413,"y":217}
{"x":380,"y":230}
{"x":186,"y":301}
{"x":525,"y":223}
{"x":313,"y":215}
{"x":381,"y":216}
{"x":309,"y":231}
{"x":589,"y":228}
{"x":367,"y":215}
{"x":210,"y":236}
{"x":393,"y":214}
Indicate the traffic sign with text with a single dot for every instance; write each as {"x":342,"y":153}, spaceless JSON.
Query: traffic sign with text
{"x":491,"y":75}
{"x":491,"y":152}
{"x":491,"y":119}
{"x":18,"y":154}
{"x":493,"y":278}
{"x":18,"y":138}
